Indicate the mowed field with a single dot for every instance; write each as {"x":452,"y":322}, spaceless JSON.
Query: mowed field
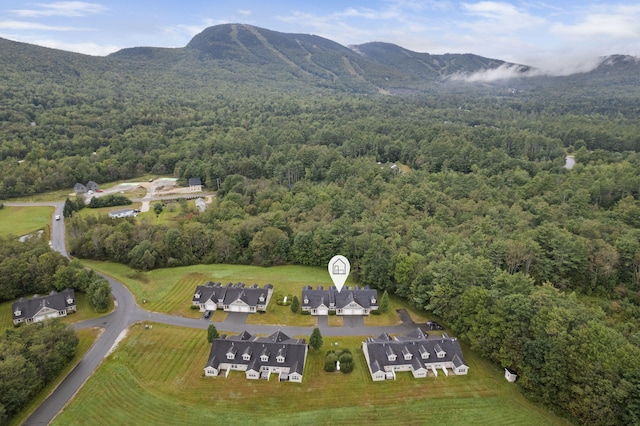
{"x":155,"y":377}
{"x":20,"y":221}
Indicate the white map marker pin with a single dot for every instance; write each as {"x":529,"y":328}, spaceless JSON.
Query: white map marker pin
{"x":339,"y":268}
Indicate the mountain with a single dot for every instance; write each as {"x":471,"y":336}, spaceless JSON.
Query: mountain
{"x":243,"y":58}
{"x":314,"y":61}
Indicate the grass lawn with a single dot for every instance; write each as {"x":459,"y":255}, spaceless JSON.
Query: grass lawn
{"x":170,"y":290}
{"x":87,"y":337}
{"x":155,"y":377}
{"x":24,"y":220}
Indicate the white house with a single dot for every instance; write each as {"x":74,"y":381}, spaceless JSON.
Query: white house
{"x":258,"y":357}
{"x":416,"y":352}
{"x":40,"y":308}
{"x":195,"y":184}
{"x":349,"y":301}
{"x":232,"y":297}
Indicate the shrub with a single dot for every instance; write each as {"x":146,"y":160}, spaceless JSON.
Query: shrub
{"x":330,"y":362}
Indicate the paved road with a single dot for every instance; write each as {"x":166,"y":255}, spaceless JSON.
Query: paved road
{"x":128,"y":312}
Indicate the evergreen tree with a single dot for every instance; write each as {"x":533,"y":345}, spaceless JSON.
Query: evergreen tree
{"x":295,"y":305}
{"x":315,"y":341}
{"x":212,"y":333}
{"x":384,"y":302}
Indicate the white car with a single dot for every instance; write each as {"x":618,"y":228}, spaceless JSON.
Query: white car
{"x":57,"y":217}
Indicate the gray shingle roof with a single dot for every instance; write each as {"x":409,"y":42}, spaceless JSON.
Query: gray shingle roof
{"x":27,"y":308}
{"x":415,"y":343}
{"x":293,"y":350}
{"x":365,"y":297}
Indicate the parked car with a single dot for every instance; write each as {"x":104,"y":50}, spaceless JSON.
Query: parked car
{"x":57,"y":217}
{"x":434,"y":325}
{"x":207,"y":314}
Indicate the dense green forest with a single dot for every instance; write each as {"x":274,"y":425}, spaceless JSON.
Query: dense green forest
{"x":454,"y":197}
{"x":30,"y":358}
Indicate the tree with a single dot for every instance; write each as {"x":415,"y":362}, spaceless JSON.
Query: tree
{"x":98,"y":294}
{"x":157,"y":208}
{"x":295,"y":305}
{"x":384,"y":302}
{"x":212,"y":333}
{"x":315,"y":341}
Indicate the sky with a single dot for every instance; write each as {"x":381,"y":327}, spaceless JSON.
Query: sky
{"x":559,"y":36}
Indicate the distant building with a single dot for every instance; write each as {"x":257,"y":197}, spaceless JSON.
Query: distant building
{"x":79,"y":188}
{"x":258,"y":357}
{"x":92,"y":186}
{"x":115,"y":214}
{"x":40,"y":308}
{"x":195,"y":184}
{"x":201,"y":205}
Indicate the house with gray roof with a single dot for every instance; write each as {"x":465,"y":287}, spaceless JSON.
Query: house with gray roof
{"x":40,"y":308}
{"x":195,"y":184}
{"x":349,"y":301}
{"x":258,"y":357}
{"x":79,"y":188}
{"x":232,"y":297}
{"x":422,"y":355}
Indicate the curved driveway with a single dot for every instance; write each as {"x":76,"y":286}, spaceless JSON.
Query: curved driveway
{"x":128,"y":312}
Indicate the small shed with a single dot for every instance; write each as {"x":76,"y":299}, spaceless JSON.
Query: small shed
{"x":510,"y":375}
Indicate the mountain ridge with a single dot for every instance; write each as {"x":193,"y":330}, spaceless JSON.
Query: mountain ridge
{"x":246,"y":55}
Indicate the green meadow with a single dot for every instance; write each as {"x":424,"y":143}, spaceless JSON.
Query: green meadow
{"x":155,"y":377}
{"x":24,"y":220}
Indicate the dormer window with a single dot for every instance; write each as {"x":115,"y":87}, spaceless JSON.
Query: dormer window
{"x":373,"y":300}
{"x":391,"y":356}
{"x":407,"y":355}
{"x":261,"y":298}
{"x":196,"y":296}
{"x":17,"y":312}
{"x":264,"y":356}
{"x":280,"y":359}
{"x":231,"y":354}
{"x":439,"y":352}
{"x":69,"y":301}
{"x":306,"y":300}
{"x":424,"y":353}
{"x":246,"y":357}
{"x":281,"y":355}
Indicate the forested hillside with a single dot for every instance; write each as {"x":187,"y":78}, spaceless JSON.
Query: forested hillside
{"x":452,"y":195}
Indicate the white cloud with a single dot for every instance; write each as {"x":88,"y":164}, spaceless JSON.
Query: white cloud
{"x":503,"y":72}
{"x":61,"y":8}
{"x":244,"y":12}
{"x":499,"y":17}
{"x":87,"y":48}
{"x":27,"y":25}
{"x":618,"y":22}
